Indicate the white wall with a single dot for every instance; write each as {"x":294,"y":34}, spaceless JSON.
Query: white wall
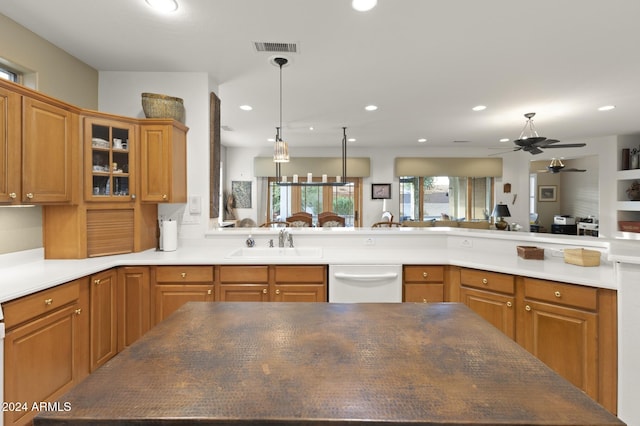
{"x":120,"y":93}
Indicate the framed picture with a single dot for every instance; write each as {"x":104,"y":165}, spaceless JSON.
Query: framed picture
{"x":380,"y":191}
{"x":547,"y":193}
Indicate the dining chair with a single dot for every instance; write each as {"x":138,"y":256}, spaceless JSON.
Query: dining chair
{"x":274,"y":224}
{"x":330,"y":220}
{"x":300,"y":220}
{"x":386,"y":225}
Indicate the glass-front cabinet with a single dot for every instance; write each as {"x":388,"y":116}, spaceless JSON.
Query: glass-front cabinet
{"x":110,"y":159}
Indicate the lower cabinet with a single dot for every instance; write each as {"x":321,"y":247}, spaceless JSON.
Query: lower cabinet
{"x":134,"y":296}
{"x":275,"y":283}
{"x":45,"y":348}
{"x":103,"y":314}
{"x":173,"y":286}
{"x":423,"y":283}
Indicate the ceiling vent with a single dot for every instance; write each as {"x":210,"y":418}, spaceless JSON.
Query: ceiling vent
{"x":264,"y":46}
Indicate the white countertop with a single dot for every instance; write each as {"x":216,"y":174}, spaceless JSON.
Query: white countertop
{"x":27,"y":272}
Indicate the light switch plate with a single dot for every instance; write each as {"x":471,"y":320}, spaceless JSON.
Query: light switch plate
{"x":194,"y":204}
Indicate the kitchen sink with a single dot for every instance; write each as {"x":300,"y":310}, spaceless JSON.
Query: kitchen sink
{"x":276,"y":253}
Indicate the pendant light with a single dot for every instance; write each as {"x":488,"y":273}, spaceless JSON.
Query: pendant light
{"x":280,"y":147}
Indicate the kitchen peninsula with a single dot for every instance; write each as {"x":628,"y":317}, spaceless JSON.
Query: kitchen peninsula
{"x":317,"y":364}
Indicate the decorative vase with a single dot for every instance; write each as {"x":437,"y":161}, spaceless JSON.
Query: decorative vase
{"x":635,"y":161}
{"x":634,"y":195}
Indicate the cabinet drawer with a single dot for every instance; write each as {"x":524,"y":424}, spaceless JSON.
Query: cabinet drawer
{"x":559,"y":293}
{"x":502,"y":283}
{"x":184,"y":274}
{"x":244,"y":274}
{"x":423,"y":274}
{"x":23,"y":309}
{"x":300,"y":274}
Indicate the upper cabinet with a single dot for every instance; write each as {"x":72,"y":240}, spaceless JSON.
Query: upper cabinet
{"x":163,"y":159}
{"x":39,"y":142}
{"x":110,"y":160}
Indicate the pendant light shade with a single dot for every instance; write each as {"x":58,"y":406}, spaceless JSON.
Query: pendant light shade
{"x":280,"y":147}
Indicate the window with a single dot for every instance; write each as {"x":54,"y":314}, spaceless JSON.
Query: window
{"x":435,"y":197}
{"x":8,"y":75}
{"x":344,"y":200}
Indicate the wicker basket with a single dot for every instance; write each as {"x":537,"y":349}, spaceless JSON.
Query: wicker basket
{"x":530,"y":252}
{"x":582,"y":257}
{"x":162,"y":106}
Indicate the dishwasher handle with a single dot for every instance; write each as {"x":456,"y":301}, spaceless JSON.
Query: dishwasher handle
{"x":366,"y":277}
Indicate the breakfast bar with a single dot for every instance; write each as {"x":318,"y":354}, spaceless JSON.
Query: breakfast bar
{"x":325,"y":364}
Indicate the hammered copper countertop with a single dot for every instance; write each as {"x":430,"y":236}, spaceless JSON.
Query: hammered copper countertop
{"x":326,"y":364}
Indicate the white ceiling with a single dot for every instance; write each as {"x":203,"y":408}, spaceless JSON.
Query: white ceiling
{"x":424,"y":63}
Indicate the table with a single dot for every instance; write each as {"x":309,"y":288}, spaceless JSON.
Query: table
{"x":326,"y":364}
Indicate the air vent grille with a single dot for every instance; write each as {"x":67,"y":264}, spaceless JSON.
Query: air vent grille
{"x":264,"y":46}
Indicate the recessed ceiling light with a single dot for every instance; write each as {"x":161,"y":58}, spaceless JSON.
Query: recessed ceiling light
{"x":363,"y":5}
{"x":246,"y":107}
{"x":422,"y":140}
{"x":164,"y":6}
{"x":606,"y":108}
{"x":479,"y":108}
{"x":271,"y":140}
{"x":504,"y":140}
{"x":371,"y":107}
{"x":351,"y":139}
{"x":311,"y":128}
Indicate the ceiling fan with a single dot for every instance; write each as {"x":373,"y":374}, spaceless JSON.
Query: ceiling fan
{"x":557,"y":166}
{"x":530,"y":142}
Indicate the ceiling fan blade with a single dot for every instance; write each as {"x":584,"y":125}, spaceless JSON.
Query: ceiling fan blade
{"x":546,"y":142}
{"x":573,"y":170}
{"x":566,"y":145}
{"x":529,"y":141}
{"x":503,"y":152}
{"x":533,"y":150}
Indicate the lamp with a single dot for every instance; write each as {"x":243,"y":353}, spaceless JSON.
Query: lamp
{"x":280,"y":147}
{"x":500,"y":211}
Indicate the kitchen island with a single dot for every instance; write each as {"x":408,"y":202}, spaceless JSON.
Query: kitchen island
{"x":306,"y":363}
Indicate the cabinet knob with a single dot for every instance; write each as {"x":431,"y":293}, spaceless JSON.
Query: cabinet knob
{"x":485,"y":281}
{"x":209,"y":291}
{"x":264,"y":291}
{"x":424,"y":301}
{"x":78,"y":311}
{"x":183,"y":274}
{"x":13,"y":195}
{"x":133,"y":196}
{"x":557,"y":294}
{"x":29,"y":195}
{"x":96,"y":281}
{"x":509,"y":304}
{"x":425,"y":274}
{"x":527,"y":308}
{"x":278,"y":291}
{"x":164,"y":196}
{"x":48,"y":301}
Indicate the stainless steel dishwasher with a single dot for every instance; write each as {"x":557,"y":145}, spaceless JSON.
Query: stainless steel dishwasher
{"x":365,"y":283}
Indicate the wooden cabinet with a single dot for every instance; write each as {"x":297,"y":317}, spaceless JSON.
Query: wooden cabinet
{"x":173,"y":286}
{"x":44,"y":169}
{"x":103,"y":312}
{"x":423,"y":283}
{"x":276,"y":283}
{"x":46,"y":346}
{"x":134,"y":296}
{"x":163,"y":166}
{"x":306,"y":283}
{"x":492,"y":296}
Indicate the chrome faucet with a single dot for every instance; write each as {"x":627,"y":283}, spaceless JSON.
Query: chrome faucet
{"x":290,"y":239}
{"x":281,"y":237}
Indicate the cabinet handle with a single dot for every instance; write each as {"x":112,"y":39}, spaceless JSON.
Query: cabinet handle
{"x":557,"y":294}
{"x":264,"y":291}
{"x":509,"y":304}
{"x":278,"y":291}
{"x":164,"y":196}
{"x":425,"y":274}
{"x":29,"y":195}
{"x":96,"y":281}
{"x":48,"y":301}
{"x":527,"y":308}
{"x":209,"y":291}
{"x":183,"y":274}
{"x":13,"y":195}
{"x":485,"y":281}
{"x":78,"y":311}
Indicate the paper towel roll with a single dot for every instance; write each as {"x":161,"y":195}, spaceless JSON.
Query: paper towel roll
{"x":169,"y":235}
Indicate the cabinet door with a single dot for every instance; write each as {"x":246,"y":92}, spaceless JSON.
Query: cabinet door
{"x":170,"y":297}
{"x":244,"y":293}
{"x":163,"y":164}
{"x":134,"y":316}
{"x":303,"y":283}
{"x":300,"y":293}
{"x":566,"y":340}
{"x":496,"y":308}
{"x":10,"y":134}
{"x":48,"y":161}
{"x":423,"y":292}
{"x":40,"y":362}
{"x":109,"y":160}
{"x":103,"y":317}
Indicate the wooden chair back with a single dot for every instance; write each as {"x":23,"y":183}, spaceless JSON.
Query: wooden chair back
{"x":330,"y":220}
{"x":300,"y":220}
